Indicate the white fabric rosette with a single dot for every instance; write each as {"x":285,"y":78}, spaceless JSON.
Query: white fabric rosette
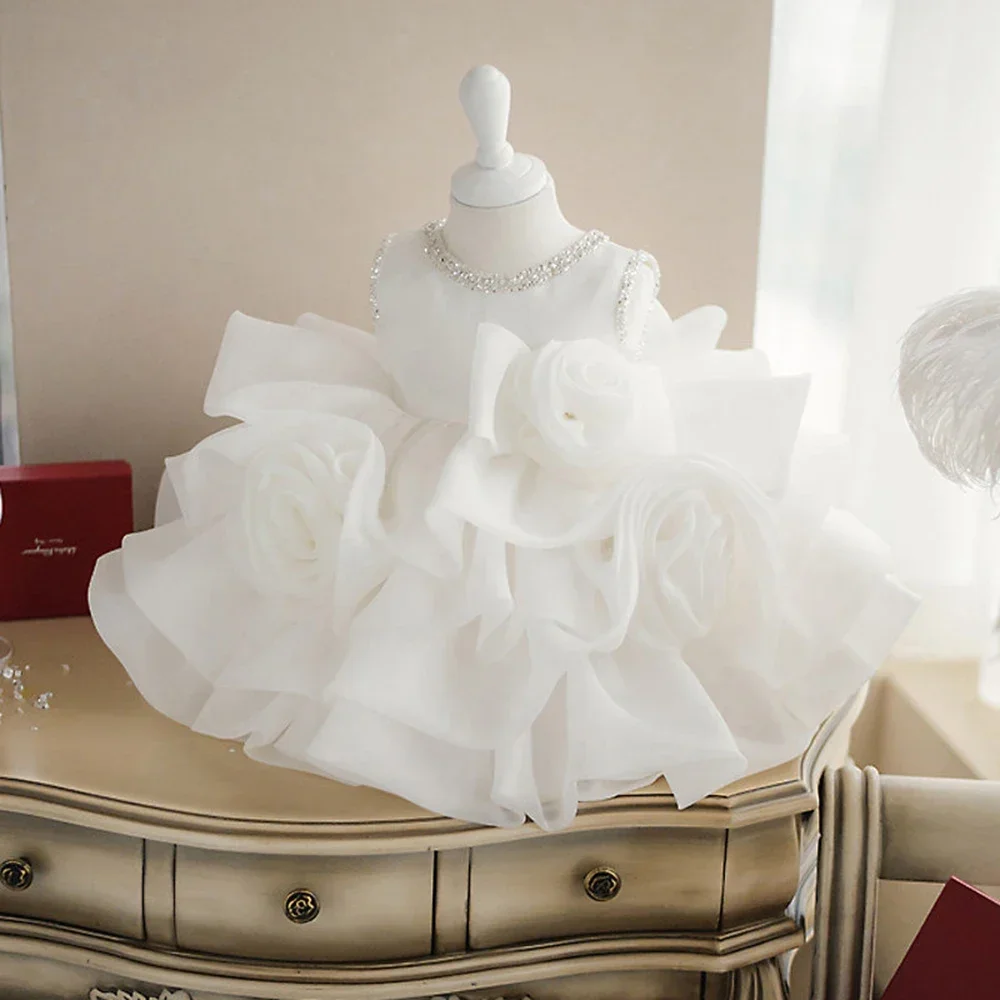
{"x":249,"y":593}
{"x":580,"y":408}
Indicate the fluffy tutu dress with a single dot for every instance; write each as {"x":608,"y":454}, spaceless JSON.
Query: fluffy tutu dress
{"x":531,"y":543}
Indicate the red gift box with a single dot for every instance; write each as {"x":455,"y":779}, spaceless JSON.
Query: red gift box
{"x":955,"y":952}
{"x":55,"y":521}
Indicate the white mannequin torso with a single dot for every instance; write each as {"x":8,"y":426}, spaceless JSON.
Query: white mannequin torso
{"x":508,"y":239}
{"x":506,"y":254}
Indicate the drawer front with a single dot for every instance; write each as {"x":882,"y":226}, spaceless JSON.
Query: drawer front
{"x":643,"y":881}
{"x":316,"y":909}
{"x":77,"y":876}
{"x":762,"y":871}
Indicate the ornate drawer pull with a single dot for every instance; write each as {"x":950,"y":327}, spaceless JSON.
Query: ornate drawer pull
{"x":602,"y":884}
{"x":16,"y":874}
{"x":301,"y":906}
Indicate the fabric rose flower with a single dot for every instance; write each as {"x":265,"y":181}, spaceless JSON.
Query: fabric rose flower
{"x":581,"y":407}
{"x":692,"y":547}
{"x":310,"y":511}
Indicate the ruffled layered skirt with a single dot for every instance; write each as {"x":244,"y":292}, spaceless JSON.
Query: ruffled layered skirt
{"x":612,"y":570}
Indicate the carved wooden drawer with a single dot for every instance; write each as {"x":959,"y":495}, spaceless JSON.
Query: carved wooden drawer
{"x":322,"y":909}
{"x":756,"y":887}
{"x":71,"y":875}
{"x":615,"y":881}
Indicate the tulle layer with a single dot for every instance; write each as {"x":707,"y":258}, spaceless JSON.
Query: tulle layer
{"x":608,"y":576}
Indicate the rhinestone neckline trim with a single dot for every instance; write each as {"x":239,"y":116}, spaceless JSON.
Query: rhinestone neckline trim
{"x":483,"y":281}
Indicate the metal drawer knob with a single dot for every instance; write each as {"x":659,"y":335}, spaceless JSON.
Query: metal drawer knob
{"x":16,"y":874}
{"x":602,"y":884}
{"x":301,"y":906}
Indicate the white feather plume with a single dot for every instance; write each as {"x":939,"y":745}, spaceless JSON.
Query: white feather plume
{"x":949,"y":383}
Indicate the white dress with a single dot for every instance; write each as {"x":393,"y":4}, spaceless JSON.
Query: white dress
{"x":531,"y":543}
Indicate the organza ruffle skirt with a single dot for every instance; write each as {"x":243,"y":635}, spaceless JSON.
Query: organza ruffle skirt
{"x":618,"y":569}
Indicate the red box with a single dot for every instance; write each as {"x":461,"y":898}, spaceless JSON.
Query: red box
{"x":955,"y":953}
{"x":55,"y":521}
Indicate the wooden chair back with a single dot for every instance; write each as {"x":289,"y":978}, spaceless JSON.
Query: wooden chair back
{"x":875,"y":827}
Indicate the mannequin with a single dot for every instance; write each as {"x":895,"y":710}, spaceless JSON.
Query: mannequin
{"x":507,"y":239}
{"x":504,"y":213}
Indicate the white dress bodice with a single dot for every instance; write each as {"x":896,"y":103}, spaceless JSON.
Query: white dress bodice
{"x":427,"y":307}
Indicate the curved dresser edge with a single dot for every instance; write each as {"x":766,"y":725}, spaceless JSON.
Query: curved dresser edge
{"x":437,"y":975}
{"x":756,"y":805}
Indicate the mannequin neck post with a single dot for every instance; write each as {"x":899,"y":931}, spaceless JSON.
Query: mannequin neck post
{"x":508,"y":239}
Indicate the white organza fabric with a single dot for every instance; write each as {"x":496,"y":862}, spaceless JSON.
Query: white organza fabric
{"x":587,"y":570}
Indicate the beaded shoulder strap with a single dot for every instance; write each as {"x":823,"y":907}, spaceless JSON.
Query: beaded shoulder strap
{"x":633,"y":339}
{"x":376,"y":271}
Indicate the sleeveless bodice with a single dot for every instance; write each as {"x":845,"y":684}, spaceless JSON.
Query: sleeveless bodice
{"x":427,"y":308}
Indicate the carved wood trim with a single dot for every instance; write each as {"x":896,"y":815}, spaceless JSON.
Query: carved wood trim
{"x":850,"y":852}
{"x":227,"y":834}
{"x":437,"y":975}
{"x":762,"y":981}
{"x":97,"y":994}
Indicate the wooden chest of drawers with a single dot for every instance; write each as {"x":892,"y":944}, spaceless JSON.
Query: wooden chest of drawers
{"x":137,"y":855}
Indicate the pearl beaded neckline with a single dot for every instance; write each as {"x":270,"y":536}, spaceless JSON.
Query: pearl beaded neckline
{"x":488,"y":283}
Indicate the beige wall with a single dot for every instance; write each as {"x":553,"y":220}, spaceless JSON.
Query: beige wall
{"x":169,"y":161}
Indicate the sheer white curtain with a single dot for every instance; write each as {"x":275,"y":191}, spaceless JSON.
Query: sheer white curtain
{"x":882,"y":194}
